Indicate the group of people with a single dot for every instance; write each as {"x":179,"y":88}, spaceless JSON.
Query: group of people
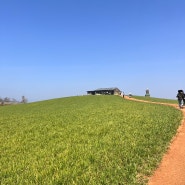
{"x":181,"y":98}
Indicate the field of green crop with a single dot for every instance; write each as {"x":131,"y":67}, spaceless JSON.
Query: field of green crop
{"x":152,"y":99}
{"x":94,"y":140}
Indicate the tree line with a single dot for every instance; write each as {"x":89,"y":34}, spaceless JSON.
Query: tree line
{"x":10,"y":101}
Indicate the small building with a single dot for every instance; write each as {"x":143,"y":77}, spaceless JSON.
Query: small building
{"x":105,"y":91}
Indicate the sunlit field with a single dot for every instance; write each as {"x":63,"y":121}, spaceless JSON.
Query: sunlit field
{"x":84,"y":140}
{"x":152,"y":99}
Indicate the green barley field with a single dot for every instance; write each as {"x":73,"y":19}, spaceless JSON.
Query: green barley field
{"x":84,"y":140}
{"x":153,"y":99}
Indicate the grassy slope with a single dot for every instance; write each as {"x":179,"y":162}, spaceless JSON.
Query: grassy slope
{"x":152,"y":99}
{"x":83,"y":140}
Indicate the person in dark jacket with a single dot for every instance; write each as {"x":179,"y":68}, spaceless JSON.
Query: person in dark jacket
{"x":180,"y":97}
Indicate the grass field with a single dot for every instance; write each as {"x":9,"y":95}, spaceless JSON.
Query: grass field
{"x":152,"y":99}
{"x":94,"y":140}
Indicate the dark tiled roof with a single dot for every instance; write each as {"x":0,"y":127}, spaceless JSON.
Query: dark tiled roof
{"x":106,"y":89}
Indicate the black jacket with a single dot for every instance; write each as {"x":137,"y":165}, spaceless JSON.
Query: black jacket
{"x":180,"y":96}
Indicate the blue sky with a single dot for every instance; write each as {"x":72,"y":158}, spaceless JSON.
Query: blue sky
{"x":58,"y":48}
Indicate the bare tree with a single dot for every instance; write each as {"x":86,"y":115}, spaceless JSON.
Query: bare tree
{"x":6,"y":99}
{"x":1,"y":101}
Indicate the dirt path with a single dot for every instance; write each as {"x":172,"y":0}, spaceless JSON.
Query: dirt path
{"x":171,"y":171}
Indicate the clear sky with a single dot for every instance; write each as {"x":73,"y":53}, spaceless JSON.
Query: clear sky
{"x":58,"y":48}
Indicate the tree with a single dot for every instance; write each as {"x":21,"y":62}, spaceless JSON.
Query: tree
{"x":1,"y":101}
{"x":6,"y":99}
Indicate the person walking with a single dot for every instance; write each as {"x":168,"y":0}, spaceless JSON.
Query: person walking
{"x":123,"y":94}
{"x":180,"y":98}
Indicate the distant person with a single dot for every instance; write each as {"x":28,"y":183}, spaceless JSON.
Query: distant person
{"x":123,"y":94}
{"x":130,"y":95}
{"x":180,"y":98}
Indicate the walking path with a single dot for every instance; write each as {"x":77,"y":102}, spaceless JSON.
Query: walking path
{"x":171,"y":171}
